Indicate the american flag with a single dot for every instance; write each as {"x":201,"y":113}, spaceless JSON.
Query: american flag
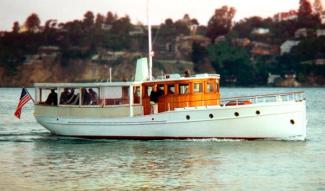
{"x":24,"y":98}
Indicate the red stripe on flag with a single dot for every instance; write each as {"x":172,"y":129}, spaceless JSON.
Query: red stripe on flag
{"x":24,"y":98}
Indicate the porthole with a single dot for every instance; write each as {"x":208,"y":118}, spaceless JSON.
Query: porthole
{"x":211,"y":116}
{"x":153,"y":119}
{"x":292,"y":122}
{"x":188,"y":117}
{"x":258,"y":112}
{"x":236,"y":114}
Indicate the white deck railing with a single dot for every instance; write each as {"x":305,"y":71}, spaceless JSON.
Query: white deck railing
{"x":281,"y":97}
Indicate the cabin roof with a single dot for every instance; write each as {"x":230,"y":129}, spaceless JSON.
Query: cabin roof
{"x":119,"y":84}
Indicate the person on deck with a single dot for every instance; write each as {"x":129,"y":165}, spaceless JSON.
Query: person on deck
{"x":52,"y":99}
{"x":73,"y":99}
{"x":93,"y":95}
{"x":154,"y":98}
{"x":86,"y":97}
{"x":64,"y":97}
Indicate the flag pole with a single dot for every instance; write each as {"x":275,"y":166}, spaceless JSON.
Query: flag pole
{"x":30,"y":96}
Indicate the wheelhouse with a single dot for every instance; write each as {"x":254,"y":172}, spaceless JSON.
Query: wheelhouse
{"x":182,"y":92}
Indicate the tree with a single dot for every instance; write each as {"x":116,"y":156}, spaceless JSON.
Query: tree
{"x":318,"y":7}
{"x":181,"y":28}
{"x":229,"y":60}
{"x":169,"y":22}
{"x":220,"y":23}
{"x":32,"y":22}
{"x":100,"y":19}
{"x":50,"y":24}
{"x":305,"y":9}
{"x":245,"y":26}
{"x":15,"y":27}
{"x":305,"y":15}
{"x":198,"y":53}
{"x":110,"y":18}
{"x":195,"y":22}
{"x":186,"y":19}
{"x":89,"y":19}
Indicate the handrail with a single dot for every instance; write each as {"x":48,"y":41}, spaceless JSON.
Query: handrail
{"x":266,"y":95}
{"x":246,"y":100}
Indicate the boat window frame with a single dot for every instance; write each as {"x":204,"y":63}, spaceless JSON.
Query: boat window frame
{"x":180,"y":85}
{"x":164,"y":88}
{"x":39,"y":93}
{"x":209,"y":91}
{"x":168,"y":92}
{"x":134,"y":93}
{"x":201,"y":90}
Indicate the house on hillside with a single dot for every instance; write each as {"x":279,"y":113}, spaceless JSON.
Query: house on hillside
{"x":301,"y":33}
{"x":318,"y":62}
{"x":183,"y":46}
{"x":260,"y":31}
{"x":285,"y":16}
{"x":322,"y":18}
{"x":241,"y":42}
{"x":179,"y":47}
{"x":288,"y":45}
{"x":137,"y":30}
{"x":320,"y":32}
{"x":106,"y":27}
{"x":263,"y":49}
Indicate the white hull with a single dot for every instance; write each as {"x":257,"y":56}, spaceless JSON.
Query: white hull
{"x":279,"y":120}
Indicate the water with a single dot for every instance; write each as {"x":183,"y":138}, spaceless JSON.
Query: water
{"x":32,"y":159}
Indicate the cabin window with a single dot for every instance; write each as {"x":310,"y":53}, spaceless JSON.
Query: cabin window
{"x":218,"y":87}
{"x":198,"y":87}
{"x":47,"y":96}
{"x":136,"y":95}
{"x":161,"y":88}
{"x":171,"y":89}
{"x":184,"y":88}
{"x":210,"y":87}
{"x":115,"y":95}
{"x":148,"y":90}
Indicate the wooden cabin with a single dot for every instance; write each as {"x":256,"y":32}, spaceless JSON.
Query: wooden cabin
{"x":183,"y":92}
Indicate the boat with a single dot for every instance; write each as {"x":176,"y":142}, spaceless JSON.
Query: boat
{"x":188,"y":107}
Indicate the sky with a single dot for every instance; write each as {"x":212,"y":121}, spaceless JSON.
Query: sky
{"x":68,"y":10}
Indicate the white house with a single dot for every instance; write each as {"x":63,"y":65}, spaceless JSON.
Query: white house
{"x":320,"y":32}
{"x":288,"y":45}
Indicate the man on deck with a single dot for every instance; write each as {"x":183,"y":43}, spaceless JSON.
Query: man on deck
{"x":154,"y":98}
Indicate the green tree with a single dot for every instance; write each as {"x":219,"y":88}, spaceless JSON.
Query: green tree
{"x":230,"y":60}
{"x":89,"y":19}
{"x":199,"y":53}
{"x":15,"y":27}
{"x":169,"y":22}
{"x":100,"y":19}
{"x":110,"y":18}
{"x":245,"y":26}
{"x":220,"y":23}
{"x":32,"y":22}
{"x":305,"y":15}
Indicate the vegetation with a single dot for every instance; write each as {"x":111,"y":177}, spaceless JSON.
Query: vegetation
{"x":82,"y":39}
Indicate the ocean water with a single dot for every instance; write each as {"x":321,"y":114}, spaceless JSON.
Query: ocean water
{"x":33,"y":159}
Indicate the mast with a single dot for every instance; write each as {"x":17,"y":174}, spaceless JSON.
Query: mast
{"x":150,"y":52}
